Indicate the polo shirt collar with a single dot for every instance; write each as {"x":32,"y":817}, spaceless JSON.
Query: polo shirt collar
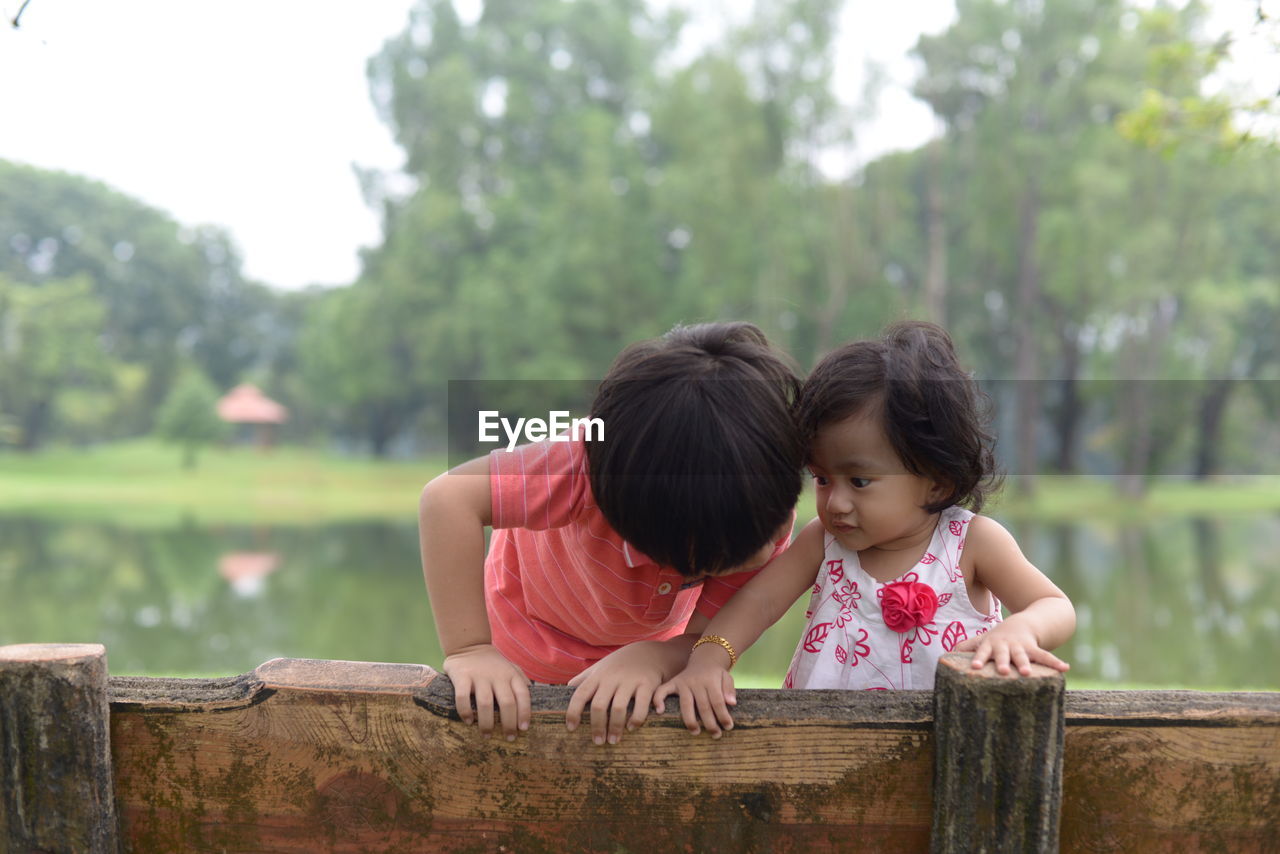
{"x":633,"y":556}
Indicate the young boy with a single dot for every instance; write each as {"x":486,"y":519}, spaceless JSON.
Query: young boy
{"x":609,"y":557}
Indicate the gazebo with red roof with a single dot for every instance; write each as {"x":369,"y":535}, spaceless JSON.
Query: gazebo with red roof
{"x":246,"y":404}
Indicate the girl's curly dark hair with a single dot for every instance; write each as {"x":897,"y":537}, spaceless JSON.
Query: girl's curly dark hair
{"x":934,"y":414}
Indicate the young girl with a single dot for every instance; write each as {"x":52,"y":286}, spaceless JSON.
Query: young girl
{"x":901,"y":571}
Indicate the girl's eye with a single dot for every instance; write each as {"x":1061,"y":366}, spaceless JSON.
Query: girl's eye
{"x":859,"y":482}
{"x":818,"y":479}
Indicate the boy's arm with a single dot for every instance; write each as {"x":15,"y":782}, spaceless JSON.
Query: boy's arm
{"x":629,"y":676}
{"x":1042,"y":616}
{"x":452,"y":514}
{"x":705,"y":687}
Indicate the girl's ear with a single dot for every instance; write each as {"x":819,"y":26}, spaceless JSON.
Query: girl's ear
{"x":939,"y":491}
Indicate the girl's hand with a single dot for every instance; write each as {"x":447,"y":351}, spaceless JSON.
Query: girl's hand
{"x":1011,"y":642}
{"x":483,"y":672}
{"x":706,"y":693}
{"x":622,"y":678}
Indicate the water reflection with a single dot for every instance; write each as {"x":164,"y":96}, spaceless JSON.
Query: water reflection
{"x":247,"y":571}
{"x":162,"y":600}
{"x":1174,"y":602}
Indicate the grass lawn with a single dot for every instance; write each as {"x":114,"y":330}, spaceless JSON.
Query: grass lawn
{"x":143,"y":483}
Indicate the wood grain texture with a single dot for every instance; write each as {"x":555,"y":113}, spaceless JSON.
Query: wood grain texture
{"x":341,"y":756}
{"x":999,"y":786}
{"x":330,"y":761}
{"x":55,"y":759}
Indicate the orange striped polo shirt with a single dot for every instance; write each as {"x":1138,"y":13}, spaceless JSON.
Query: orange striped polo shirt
{"x":563,"y":589}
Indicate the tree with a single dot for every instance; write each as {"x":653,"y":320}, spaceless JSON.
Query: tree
{"x":49,"y":348}
{"x":189,"y":416}
{"x":564,"y":178}
{"x":1170,"y":114}
{"x":168,"y":294}
{"x":1019,"y":79}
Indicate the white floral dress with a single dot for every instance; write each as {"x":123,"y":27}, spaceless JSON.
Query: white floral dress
{"x":866,"y":634}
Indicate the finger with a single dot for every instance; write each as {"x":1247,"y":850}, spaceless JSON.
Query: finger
{"x":1001,"y":658}
{"x":665,"y":690}
{"x":984,"y":652}
{"x":600,"y":712}
{"x":579,"y":679}
{"x":689,"y":710}
{"x":1020,"y":661}
{"x":1043,"y":656}
{"x":720,"y":709}
{"x":462,"y":699}
{"x":644,"y":696}
{"x":573,"y":716}
{"x":706,"y":711}
{"x":617,"y":716}
{"x":967,"y":645}
{"x":484,"y":707}
{"x":505,"y":697}
{"x":524,"y":708}
{"x":730,"y":695}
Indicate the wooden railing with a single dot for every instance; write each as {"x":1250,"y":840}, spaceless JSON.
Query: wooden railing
{"x":316,"y":756}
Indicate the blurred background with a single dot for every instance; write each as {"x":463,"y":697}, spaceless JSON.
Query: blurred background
{"x":245,"y":248}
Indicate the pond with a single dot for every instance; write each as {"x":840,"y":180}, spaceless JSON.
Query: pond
{"x":1176,"y":602}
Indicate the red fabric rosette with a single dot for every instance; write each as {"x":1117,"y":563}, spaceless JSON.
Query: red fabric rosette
{"x":907,"y":605}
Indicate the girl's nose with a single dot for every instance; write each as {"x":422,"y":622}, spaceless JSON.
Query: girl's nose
{"x":838,"y":501}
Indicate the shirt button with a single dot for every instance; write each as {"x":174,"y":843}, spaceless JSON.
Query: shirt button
{"x":664,"y":588}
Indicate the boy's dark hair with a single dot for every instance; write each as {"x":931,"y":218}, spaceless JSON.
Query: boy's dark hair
{"x":933,"y":412}
{"x":701,"y":462}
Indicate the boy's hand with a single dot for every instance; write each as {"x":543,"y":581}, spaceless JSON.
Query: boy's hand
{"x":482,"y":671}
{"x":624,"y":676}
{"x":706,"y":692}
{"x":1011,"y":642}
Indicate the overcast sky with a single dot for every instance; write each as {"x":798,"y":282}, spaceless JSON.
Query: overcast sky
{"x":249,"y":114}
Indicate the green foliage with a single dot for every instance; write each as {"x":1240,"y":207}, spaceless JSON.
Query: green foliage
{"x":1176,"y":109}
{"x":49,"y":353}
{"x":575,"y":190}
{"x":167,"y":294}
{"x":189,"y":416}
{"x":580,"y":175}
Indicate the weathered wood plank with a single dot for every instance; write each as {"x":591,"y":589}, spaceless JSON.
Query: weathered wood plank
{"x":1171,"y":771}
{"x":55,"y":759}
{"x":339,"y":756}
{"x":325,"y":763}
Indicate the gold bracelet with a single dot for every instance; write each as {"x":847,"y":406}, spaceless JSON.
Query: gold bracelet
{"x":733,"y":656}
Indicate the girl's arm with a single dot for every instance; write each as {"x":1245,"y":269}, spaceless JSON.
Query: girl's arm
{"x":1042,"y":617}
{"x":705,"y":687}
{"x":452,"y":514}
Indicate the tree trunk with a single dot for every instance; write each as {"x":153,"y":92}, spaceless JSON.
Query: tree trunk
{"x":32,"y":425}
{"x":935,"y":277}
{"x":1026,"y":353}
{"x":1067,"y":422}
{"x":1137,"y":402}
{"x":1213,"y":407}
{"x":837,"y":274}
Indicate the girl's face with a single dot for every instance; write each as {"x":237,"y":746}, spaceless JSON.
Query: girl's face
{"x":866,"y":496}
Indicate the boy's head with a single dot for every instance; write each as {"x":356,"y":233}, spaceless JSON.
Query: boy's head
{"x":933,"y":413}
{"x":701,"y":462}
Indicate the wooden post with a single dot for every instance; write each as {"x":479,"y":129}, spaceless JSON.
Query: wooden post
{"x":56,"y":792}
{"x":998,"y":744}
